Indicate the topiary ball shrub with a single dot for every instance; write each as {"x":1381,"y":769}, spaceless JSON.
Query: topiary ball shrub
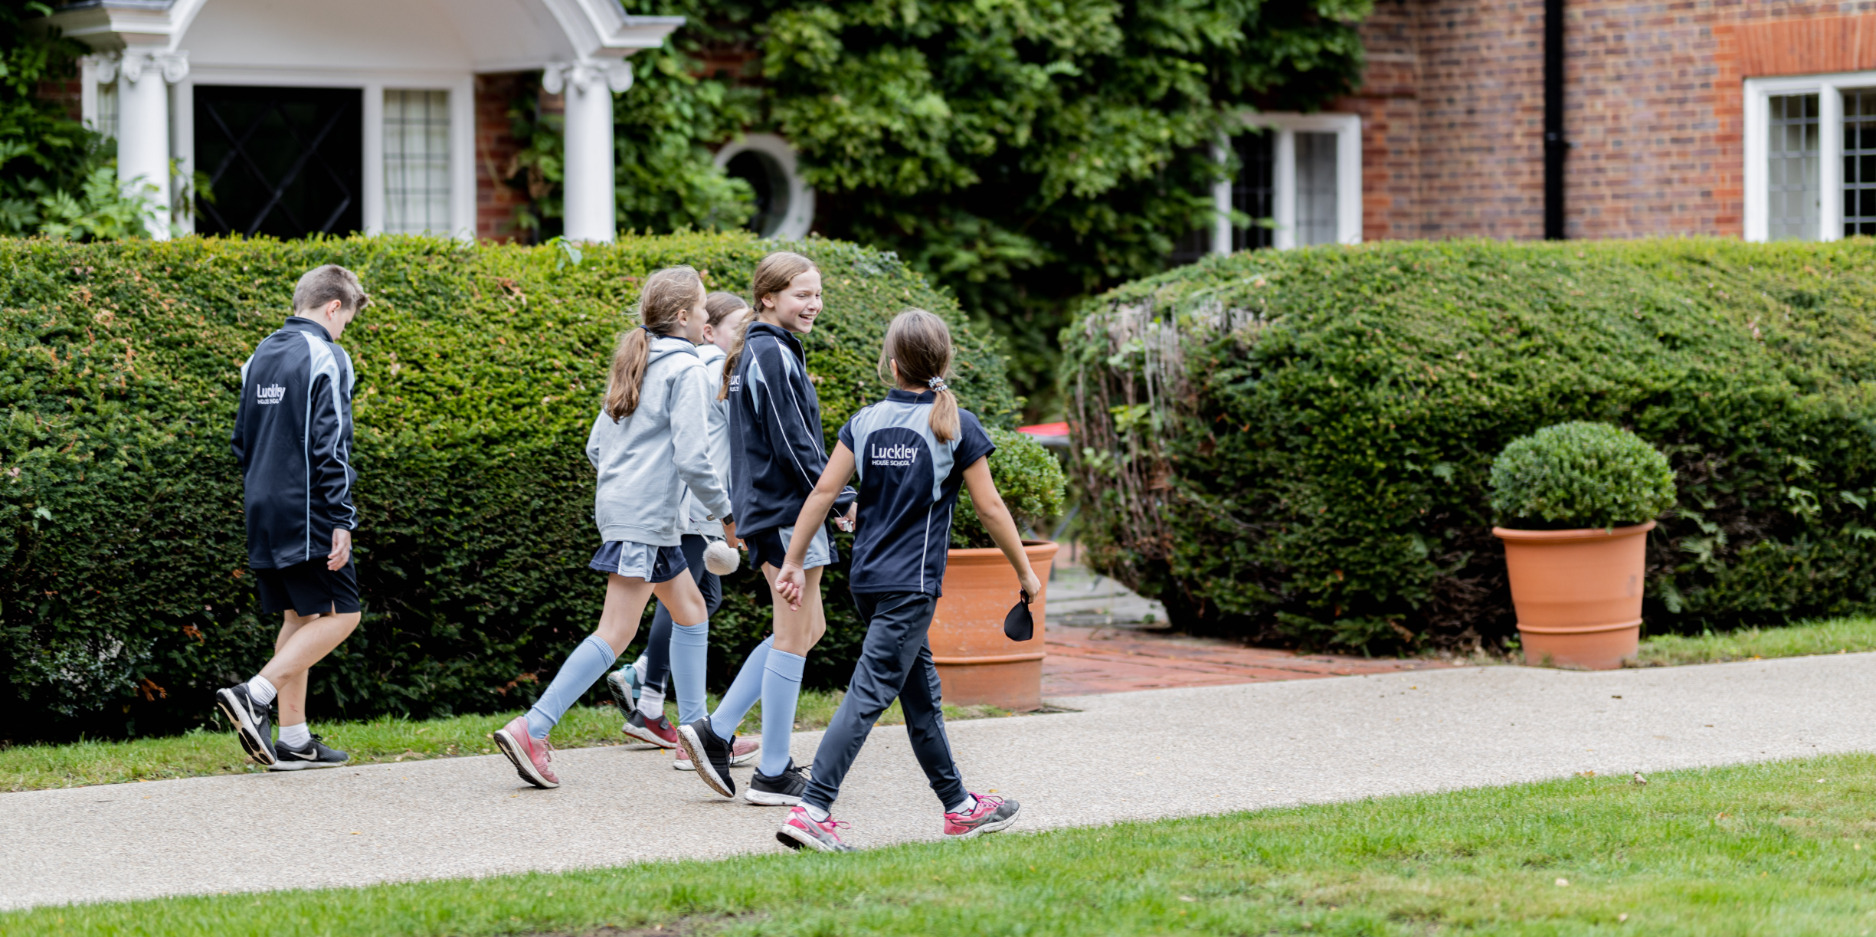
{"x":1029,"y":480}
{"x":1580,"y":474}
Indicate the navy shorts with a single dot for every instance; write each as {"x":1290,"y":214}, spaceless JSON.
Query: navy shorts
{"x":639,"y":560}
{"x":309,"y":588}
{"x":771,"y":547}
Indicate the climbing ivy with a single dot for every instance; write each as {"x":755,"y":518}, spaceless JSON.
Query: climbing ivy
{"x":1021,"y":153}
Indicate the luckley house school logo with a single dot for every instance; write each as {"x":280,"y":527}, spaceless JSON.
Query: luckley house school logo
{"x":899,"y":456}
{"x":272,"y":393}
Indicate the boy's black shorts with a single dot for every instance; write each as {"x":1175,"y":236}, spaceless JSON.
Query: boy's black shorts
{"x":309,"y":588}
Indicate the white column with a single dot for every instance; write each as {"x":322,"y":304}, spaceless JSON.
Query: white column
{"x":1283,"y":194}
{"x":143,"y":80}
{"x":1830,"y":163}
{"x":587,"y":192}
{"x":1221,"y":200}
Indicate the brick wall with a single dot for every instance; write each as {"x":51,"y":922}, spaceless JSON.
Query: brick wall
{"x":496,"y":201}
{"x":1452,"y":110}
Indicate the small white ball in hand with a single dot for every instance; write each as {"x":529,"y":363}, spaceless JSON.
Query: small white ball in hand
{"x":721,"y":559}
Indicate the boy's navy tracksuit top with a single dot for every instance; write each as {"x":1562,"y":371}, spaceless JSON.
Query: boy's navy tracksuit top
{"x":775,"y":430}
{"x":293,"y":440}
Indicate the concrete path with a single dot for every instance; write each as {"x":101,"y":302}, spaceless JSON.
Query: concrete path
{"x":1124,"y":756}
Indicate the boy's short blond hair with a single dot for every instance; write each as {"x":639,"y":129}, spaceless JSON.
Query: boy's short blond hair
{"x":322,"y":285}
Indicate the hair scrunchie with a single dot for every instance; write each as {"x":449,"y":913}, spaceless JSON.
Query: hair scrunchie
{"x":648,"y":329}
{"x":937,"y":384}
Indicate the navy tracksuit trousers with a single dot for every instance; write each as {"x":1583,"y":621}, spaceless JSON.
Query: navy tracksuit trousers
{"x":894,"y":662}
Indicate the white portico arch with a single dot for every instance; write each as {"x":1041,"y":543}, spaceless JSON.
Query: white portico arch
{"x":413,"y":65}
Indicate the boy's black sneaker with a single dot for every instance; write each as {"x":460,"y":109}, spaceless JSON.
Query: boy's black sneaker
{"x":316,"y":754}
{"x":250,"y":722}
{"x":710,"y":753}
{"x":782,"y":790}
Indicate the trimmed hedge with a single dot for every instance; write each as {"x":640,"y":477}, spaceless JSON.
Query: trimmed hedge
{"x":1295,"y":445}
{"x":124,"y":593}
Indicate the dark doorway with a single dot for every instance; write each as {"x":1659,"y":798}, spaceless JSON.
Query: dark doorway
{"x":285,"y":162}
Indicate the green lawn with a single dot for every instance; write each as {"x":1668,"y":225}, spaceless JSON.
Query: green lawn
{"x":1833,"y":636}
{"x":203,"y":752}
{"x":1778,"y":849}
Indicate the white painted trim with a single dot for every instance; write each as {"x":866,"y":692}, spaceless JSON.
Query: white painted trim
{"x":1221,"y":200}
{"x":799,"y":219}
{"x":1348,"y":194}
{"x":371,"y":180}
{"x":182,"y":148}
{"x":88,"y":91}
{"x":462,"y":157}
{"x":1829,"y":89}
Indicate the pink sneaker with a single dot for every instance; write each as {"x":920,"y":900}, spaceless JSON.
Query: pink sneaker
{"x":744,"y":752}
{"x":991,"y":814}
{"x":802,"y":831}
{"x":533,"y":758}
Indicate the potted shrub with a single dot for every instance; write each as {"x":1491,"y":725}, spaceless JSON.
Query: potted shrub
{"x":1577,"y":501}
{"x":976,"y":663}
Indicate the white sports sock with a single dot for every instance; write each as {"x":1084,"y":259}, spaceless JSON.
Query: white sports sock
{"x":642,"y":665}
{"x":969,"y":804}
{"x":651,"y":703}
{"x":262,"y":691}
{"x":815,"y":813}
{"x":295,"y":736}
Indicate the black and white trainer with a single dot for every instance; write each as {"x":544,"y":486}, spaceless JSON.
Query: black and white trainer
{"x":782,"y":790}
{"x":250,"y":722}
{"x":316,"y":754}
{"x":710,"y":753}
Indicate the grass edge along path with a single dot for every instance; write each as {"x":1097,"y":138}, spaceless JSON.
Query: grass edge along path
{"x":205,"y":752}
{"x":1848,"y":635}
{"x":1784,"y":848}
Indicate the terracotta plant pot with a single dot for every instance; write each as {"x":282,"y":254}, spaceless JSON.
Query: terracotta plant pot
{"x":1578,"y":593}
{"x":976,"y":664}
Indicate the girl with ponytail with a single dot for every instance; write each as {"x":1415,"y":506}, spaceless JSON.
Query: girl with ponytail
{"x":912,"y":451}
{"x":649,"y":446}
{"x":776,"y":454}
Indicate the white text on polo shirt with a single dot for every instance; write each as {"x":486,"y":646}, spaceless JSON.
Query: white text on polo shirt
{"x":894,"y":455}
{"x":272,"y":393}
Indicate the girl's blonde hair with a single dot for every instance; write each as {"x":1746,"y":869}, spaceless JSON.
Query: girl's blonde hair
{"x":920,"y":343}
{"x":667,"y":295}
{"x":772,"y":276}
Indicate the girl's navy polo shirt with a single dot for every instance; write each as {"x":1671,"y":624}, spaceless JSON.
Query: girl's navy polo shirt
{"x":908,"y":488}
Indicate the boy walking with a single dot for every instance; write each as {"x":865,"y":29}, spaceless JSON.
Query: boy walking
{"x":293,"y":441}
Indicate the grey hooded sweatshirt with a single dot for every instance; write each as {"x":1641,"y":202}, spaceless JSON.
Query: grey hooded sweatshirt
{"x":646,"y":461}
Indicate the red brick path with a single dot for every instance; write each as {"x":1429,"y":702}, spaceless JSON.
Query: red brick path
{"x":1083,"y":661}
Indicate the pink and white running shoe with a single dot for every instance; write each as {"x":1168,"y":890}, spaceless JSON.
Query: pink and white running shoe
{"x":533,"y":758}
{"x":991,"y":814}
{"x":802,"y":831}
{"x":744,"y":752}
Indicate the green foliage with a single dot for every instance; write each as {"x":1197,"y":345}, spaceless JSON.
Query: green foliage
{"x":124,"y":593}
{"x":666,"y":177}
{"x":1295,"y":445}
{"x":1030,"y":482}
{"x":1020,"y":153}
{"x":57,"y":177}
{"x":1580,"y":475}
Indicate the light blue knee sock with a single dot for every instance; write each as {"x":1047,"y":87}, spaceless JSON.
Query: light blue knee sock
{"x":781,"y":687}
{"x":587,"y":663}
{"x":743,"y":691}
{"x":690,"y":650}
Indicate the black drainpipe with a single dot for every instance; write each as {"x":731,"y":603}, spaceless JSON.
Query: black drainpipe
{"x":1555,"y":146}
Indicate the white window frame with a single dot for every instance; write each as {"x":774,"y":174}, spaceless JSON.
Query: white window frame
{"x":799,"y":219}
{"x":1829,"y":90}
{"x":461,"y":88}
{"x":1347,"y":129}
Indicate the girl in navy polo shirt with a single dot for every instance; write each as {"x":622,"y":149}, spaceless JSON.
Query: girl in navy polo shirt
{"x":912,"y":452}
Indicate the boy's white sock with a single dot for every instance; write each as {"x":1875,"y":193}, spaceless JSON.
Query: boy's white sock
{"x":815,"y":813}
{"x":295,"y":736}
{"x":262,"y":691}
{"x":651,"y":702}
{"x":969,"y":804}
